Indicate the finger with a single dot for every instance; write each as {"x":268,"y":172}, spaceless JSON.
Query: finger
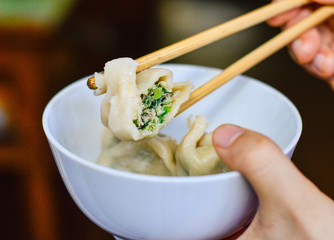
{"x":283,"y":18}
{"x":302,"y":14}
{"x":323,"y":63}
{"x":309,"y":68}
{"x":260,"y":160}
{"x":306,"y":47}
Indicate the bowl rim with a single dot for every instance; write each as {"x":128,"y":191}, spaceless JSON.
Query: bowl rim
{"x":162,"y":179}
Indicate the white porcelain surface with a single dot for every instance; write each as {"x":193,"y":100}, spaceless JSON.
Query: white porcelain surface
{"x":134,"y":206}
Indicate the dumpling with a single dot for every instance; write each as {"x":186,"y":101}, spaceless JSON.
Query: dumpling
{"x":154,"y":156}
{"x":195,"y":154}
{"x":139,"y":105}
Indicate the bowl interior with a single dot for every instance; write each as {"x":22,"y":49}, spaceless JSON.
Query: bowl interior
{"x":170,"y":207}
{"x":72,"y":118}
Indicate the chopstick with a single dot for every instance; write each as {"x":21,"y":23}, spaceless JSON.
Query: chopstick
{"x":213,"y":34}
{"x":259,"y":54}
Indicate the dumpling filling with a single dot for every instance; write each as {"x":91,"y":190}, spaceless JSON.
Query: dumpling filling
{"x":156,"y":104}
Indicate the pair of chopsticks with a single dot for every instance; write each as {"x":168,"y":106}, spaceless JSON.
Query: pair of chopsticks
{"x":258,"y":55}
{"x":228,"y":28}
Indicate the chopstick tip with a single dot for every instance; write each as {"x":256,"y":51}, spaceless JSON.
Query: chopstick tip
{"x":91,"y":83}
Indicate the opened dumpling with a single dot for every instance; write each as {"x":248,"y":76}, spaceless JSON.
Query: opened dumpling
{"x":195,"y":154}
{"x":153,"y":156}
{"x":138,"y":105}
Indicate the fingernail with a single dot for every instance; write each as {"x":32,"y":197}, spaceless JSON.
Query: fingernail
{"x":225,"y":135}
{"x":296,"y":46}
{"x":318,"y":61}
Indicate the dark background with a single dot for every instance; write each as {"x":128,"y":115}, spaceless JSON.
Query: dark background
{"x":36,"y":61}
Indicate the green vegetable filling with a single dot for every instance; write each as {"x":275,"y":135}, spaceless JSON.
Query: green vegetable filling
{"x":157,"y":103}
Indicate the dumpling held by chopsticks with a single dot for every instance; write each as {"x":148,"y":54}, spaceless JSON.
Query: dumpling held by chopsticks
{"x":139,"y":105}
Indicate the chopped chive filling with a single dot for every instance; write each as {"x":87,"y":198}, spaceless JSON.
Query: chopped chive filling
{"x":157,"y":103}
{"x":157,"y":93}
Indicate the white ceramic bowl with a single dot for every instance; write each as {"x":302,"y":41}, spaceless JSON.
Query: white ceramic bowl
{"x":134,"y":206}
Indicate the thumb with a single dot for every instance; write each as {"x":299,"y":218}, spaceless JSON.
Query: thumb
{"x":289,"y":202}
{"x":259,"y":159}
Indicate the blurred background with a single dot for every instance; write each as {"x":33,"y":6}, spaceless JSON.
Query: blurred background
{"x":46,"y":44}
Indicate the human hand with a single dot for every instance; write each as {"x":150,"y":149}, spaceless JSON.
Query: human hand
{"x":290,"y":206}
{"x":314,"y":49}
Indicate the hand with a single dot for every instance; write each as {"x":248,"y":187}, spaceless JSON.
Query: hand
{"x":290,"y":206}
{"x":314,"y":49}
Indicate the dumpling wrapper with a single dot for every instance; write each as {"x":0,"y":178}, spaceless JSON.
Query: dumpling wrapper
{"x":123,"y":103}
{"x":195,"y":154}
{"x":154,"y":156}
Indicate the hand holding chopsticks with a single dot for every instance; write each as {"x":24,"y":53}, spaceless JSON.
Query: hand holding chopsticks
{"x":213,"y":34}
{"x":259,"y":54}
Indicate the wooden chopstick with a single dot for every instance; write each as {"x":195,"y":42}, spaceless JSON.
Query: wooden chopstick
{"x":259,"y":54}
{"x":213,"y":34}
